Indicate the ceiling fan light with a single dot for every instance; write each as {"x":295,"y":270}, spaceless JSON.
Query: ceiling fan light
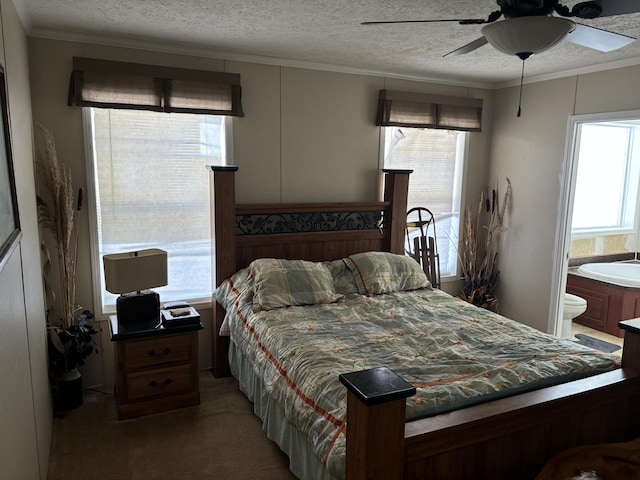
{"x":527,"y":35}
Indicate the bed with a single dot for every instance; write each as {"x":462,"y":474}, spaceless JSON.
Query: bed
{"x":502,"y":436}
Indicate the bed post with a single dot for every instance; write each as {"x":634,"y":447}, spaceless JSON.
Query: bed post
{"x":376,"y":404}
{"x":631,"y":349}
{"x":396,"y":187}
{"x":222,"y":181}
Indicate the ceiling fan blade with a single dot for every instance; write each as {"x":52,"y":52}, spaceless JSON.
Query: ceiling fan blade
{"x":469,"y":47}
{"x":617,"y":7}
{"x":597,"y":38}
{"x":462,"y":21}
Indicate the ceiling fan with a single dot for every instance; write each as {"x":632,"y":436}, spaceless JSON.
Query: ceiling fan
{"x":530,"y":26}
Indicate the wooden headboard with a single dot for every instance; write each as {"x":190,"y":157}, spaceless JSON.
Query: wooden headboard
{"x":305,"y":231}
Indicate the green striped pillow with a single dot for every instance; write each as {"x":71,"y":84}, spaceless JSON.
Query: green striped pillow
{"x":281,"y":283}
{"x":382,"y":272}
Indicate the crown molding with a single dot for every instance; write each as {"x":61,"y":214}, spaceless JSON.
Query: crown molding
{"x":629,"y":62}
{"x":205,"y":52}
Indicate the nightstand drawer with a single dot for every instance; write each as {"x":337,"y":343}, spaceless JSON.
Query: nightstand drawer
{"x":158,"y":350}
{"x":159,"y":382}
{"x":156,"y":369}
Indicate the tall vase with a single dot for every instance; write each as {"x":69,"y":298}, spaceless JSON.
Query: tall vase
{"x":70,"y":390}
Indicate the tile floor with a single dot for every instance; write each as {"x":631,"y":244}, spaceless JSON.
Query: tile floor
{"x":577,"y":328}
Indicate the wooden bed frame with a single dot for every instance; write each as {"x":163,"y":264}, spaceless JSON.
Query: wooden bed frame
{"x":511,"y":438}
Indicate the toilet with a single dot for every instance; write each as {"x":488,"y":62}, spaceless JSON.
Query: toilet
{"x":573,"y":306}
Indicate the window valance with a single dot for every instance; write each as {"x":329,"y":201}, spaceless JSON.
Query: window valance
{"x":408,"y":109}
{"x":108,"y":84}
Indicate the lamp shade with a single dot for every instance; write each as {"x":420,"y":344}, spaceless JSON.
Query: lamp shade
{"x":135,"y":271}
{"x":525,"y":36}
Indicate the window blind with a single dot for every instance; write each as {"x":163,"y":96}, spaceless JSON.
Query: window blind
{"x":409,"y":109}
{"x":436,"y":158}
{"x":132,"y":86}
{"x":152,"y":191}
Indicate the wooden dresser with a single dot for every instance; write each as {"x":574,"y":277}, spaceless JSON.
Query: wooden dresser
{"x":156,"y":368}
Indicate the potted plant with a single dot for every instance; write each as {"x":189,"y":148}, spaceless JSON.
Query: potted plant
{"x":71,"y":334}
{"x":479,"y":248}
{"x":68,"y":348}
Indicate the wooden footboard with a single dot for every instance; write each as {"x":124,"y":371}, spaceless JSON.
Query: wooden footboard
{"x":514,"y":437}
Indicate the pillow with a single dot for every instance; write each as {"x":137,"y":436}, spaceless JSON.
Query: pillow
{"x":343,"y":280}
{"x":231,"y":289}
{"x":237,"y":288}
{"x":382,"y":272}
{"x":281,"y":283}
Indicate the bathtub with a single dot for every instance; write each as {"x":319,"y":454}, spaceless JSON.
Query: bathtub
{"x":617,"y":273}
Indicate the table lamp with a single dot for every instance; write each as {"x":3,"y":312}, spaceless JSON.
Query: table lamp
{"x":132,"y":274}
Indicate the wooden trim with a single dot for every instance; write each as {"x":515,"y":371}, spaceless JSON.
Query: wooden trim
{"x":396,"y":186}
{"x":307,"y":237}
{"x":551,"y":420}
{"x":261,"y":209}
{"x":222,"y":181}
{"x":376,"y":400}
{"x":223,"y":223}
{"x":631,"y":350}
{"x":379,"y":453}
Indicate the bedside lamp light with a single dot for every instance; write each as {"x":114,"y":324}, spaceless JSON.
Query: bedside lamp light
{"x":131,"y":274}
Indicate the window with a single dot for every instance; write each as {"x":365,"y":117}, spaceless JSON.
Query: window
{"x":436,"y":158}
{"x":151,"y":190}
{"x":608,"y":177}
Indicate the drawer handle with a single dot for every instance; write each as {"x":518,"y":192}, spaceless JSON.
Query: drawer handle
{"x":166,"y":351}
{"x":154,"y":384}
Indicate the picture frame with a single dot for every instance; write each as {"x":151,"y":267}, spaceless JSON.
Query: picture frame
{"x":10,"y":233}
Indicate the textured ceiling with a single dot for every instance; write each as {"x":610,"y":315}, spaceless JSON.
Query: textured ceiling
{"x":322,"y":32}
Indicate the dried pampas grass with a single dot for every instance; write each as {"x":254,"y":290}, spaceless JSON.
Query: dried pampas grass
{"x":57,"y":214}
{"x":479,"y":248}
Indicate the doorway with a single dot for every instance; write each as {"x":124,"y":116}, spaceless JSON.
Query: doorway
{"x":599,"y":194}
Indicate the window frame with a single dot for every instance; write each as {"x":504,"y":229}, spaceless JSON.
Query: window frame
{"x":461,"y":171}
{"x":96,"y":278}
{"x":629,"y":214}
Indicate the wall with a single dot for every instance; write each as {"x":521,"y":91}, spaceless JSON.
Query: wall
{"x":530,"y":150}
{"x":307,"y":135}
{"x":25,"y":405}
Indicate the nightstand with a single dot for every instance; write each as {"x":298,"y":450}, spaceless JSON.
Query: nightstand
{"x":156,"y":368}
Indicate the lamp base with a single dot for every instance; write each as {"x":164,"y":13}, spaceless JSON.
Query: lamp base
{"x":139,"y":307}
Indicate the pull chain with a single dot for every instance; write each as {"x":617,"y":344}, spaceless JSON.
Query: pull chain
{"x":521,"y":82}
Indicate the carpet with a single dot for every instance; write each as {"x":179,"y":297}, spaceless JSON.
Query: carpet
{"x":220,"y":439}
{"x":596,"y":344}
